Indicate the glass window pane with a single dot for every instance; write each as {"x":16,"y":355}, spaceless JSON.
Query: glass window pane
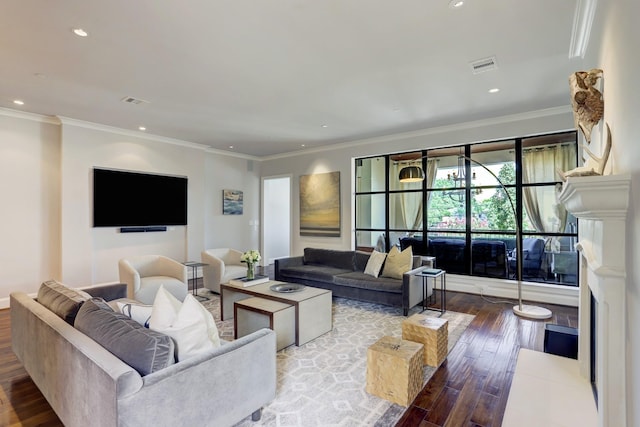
{"x":370,"y":210}
{"x":446,"y":210}
{"x":406,"y":162}
{"x":405,"y":211}
{"x":543,"y":156}
{"x":489,"y":255}
{"x":370,"y":240}
{"x":564,"y":267}
{"x":491,"y":210}
{"x":499,"y":158}
{"x":448,"y":167}
{"x":370,"y":174}
{"x":543,"y":213}
{"x":449,"y":251}
{"x":404,"y":240}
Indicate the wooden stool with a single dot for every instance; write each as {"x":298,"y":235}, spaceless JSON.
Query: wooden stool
{"x":252,"y":314}
{"x":394,"y":370}
{"x":433,"y":332}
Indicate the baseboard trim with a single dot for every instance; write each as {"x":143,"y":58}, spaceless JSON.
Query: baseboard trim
{"x":502,"y":288}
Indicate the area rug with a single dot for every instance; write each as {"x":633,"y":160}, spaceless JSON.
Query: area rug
{"x":322,"y":383}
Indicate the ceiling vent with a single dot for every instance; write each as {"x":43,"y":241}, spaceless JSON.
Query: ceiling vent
{"x":485,"y":64}
{"x":132,"y":100}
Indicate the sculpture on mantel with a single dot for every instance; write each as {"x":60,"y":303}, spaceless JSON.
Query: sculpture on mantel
{"x":586,"y":100}
{"x":594,"y":165}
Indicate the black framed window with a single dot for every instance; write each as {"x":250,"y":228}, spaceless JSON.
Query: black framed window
{"x":459,"y":211}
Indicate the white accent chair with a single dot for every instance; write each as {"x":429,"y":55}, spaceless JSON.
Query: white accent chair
{"x":145,"y":274}
{"x":224,"y":265}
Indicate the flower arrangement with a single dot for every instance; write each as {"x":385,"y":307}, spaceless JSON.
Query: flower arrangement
{"x":251,"y":258}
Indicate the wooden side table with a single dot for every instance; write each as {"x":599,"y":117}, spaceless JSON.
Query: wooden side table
{"x":394,"y":370}
{"x":432,"y":332}
{"x":252,"y":314}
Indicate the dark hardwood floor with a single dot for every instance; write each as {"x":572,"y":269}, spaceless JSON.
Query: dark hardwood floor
{"x":469,"y":389}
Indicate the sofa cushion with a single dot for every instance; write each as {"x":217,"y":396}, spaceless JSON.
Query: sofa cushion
{"x":374,"y":265}
{"x":189,"y":324}
{"x":144,"y":350}
{"x":397,"y":263}
{"x":62,"y":300}
{"x":358,"y":279}
{"x":329,"y":257}
{"x":312,"y":272}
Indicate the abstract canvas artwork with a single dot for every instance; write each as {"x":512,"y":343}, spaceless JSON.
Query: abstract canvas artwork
{"x":320,"y":204}
{"x":232,"y":202}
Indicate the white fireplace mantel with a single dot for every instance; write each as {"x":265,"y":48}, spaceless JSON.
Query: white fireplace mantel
{"x":601,"y":203}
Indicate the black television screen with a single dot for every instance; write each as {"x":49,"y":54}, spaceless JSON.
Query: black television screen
{"x":135,"y":199}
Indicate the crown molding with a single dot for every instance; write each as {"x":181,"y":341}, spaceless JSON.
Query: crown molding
{"x":127,"y":132}
{"x":8,"y":112}
{"x":582,"y":22}
{"x":429,"y":131}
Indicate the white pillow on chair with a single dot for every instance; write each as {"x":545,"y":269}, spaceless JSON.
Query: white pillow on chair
{"x":189,"y":324}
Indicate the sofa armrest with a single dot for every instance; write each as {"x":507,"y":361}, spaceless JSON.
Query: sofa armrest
{"x":172,"y":268}
{"x":412,"y":289}
{"x":286,"y":262}
{"x":222,"y":387}
{"x":108,"y":292}
{"x":213,"y":272}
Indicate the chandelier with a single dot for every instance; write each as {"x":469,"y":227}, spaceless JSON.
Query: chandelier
{"x":458,"y":181}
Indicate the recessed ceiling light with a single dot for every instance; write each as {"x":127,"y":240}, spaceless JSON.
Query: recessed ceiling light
{"x":231,"y":146}
{"x":454,"y":4}
{"x":142,"y":128}
{"x":494,"y":90}
{"x":80,"y":32}
{"x":18,"y":102}
{"x":302,"y":145}
{"x":325,"y":126}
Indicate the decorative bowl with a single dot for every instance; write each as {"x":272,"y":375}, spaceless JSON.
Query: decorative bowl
{"x":286,"y":288}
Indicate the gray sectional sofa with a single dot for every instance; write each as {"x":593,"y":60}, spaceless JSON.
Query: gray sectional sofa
{"x":342,"y":272}
{"x":87,"y":385}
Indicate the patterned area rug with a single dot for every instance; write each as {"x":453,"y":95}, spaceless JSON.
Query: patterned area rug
{"x":322,"y":383}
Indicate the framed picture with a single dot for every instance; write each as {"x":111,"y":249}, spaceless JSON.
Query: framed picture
{"x":232,"y":202}
{"x":320,"y":204}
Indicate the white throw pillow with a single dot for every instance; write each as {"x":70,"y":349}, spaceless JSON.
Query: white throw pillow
{"x":397,"y":263}
{"x":374,"y":265}
{"x":189,"y":324}
{"x":139,"y":312}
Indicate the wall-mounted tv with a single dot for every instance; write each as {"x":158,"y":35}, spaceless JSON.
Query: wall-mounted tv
{"x":136,"y":199}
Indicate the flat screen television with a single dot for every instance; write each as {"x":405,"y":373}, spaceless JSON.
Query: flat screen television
{"x":135,"y":199}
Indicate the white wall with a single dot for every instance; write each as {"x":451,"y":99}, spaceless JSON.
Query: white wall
{"x":614,"y":45}
{"x":30,"y":194}
{"x":341,"y":159}
{"x":240,"y":232}
{"x":45,"y":185}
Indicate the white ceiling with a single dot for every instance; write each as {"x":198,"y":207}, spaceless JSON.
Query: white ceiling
{"x":266,"y":75}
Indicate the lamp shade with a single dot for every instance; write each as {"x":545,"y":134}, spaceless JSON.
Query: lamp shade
{"x":411,"y":174}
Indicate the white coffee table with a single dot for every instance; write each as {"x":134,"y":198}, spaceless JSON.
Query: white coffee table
{"x":312,"y":306}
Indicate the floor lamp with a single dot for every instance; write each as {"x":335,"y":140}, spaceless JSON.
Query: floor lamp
{"x":415,"y":173}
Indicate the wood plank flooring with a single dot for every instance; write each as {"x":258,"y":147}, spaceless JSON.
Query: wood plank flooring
{"x":469,"y":389}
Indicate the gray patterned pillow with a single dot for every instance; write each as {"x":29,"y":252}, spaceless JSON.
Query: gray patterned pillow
{"x":143,"y":349}
{"x":62,"y":300}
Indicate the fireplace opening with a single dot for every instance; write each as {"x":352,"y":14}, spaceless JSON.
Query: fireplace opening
{"x":593,"y":346}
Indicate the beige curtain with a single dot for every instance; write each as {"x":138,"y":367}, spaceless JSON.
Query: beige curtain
{"x":541,"y":205}
{"x":410,"y":204}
